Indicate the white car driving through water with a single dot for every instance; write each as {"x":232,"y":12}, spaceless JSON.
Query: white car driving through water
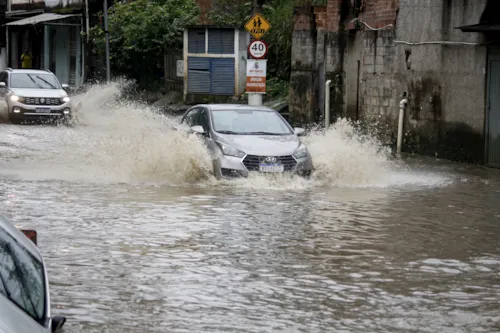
{"x":30,"y":94}
{"x":245,"y":139}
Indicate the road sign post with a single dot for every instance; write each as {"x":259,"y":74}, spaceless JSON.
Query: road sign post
{"x":257,"y":49}
{"x":257,"y":26}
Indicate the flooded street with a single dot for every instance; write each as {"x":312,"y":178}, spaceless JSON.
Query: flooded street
{"x":139,"y":237}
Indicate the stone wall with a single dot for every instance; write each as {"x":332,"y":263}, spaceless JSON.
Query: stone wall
{"x":373,"y":52}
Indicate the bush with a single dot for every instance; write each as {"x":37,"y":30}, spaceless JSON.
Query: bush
{"x":141,"y":32}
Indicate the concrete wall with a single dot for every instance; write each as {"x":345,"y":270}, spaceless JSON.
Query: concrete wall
{"x":62,"y":54}
{"x":303,"y":80}
{"x":445,"y":83}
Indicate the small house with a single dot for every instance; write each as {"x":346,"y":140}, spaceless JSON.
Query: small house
{"x":214,"y":61}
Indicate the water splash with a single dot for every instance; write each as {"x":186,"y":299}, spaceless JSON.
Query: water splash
{"x":114,"y":140}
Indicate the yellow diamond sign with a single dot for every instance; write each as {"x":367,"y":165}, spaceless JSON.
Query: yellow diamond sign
{"x":257,"y":26}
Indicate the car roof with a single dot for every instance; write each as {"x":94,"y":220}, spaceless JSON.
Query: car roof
{"x":34,"y":71}
{"x":20,"y":237}
{"x":243,"y":107}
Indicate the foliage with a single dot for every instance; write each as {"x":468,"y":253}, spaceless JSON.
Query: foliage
{"x":230,"y":12}
{"x":277,"y":88}
{"x":280,"y":14}
{"x":140,"y":33}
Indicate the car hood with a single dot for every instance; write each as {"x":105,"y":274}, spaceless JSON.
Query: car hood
{"x":47,"y":93}
{"x":264,"y":145}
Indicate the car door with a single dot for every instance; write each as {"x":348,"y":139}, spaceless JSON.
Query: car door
{"x":203,"y":120}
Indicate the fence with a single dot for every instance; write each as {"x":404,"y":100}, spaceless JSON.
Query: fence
{"x":172,"y":81}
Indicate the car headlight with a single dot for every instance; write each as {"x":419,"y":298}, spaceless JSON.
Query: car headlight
{"x":301,"y":152}
{"x":230,"y":151}
{"x":66,"y":99}
{"x":16,"y":98}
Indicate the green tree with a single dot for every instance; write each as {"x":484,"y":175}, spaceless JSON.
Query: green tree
{"x":141,"y":32}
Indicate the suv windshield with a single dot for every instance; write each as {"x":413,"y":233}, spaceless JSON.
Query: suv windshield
{"x":249,"y":122}
{"x":34,"y":81}
{"x":21,"y":277}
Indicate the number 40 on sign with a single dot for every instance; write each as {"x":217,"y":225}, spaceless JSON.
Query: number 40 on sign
{"x":257,"y":49}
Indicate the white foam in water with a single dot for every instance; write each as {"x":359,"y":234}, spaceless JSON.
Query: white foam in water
{"x":115,"y":141}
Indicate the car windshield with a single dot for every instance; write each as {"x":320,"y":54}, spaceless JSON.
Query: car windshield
{"x":22,"y":277}
{"x":249,"y":122}
{"x":34,"y":81}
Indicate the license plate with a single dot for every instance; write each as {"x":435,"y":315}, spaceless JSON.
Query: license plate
{"x":271,"y":168}
{"x":42,"y":110}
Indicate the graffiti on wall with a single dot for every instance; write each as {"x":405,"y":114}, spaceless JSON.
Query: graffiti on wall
{"x":48,"y":5}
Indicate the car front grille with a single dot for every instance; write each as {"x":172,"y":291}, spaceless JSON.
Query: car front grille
{"x":251,"y":162}
{"x":42,"y":101}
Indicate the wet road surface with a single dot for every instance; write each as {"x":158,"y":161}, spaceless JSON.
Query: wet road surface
{"x":417,"y":250}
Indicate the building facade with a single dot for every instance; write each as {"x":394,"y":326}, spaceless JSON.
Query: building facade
{"x":53,"y":33}
{"x":441,"y":54}
{"x":214,"y":62}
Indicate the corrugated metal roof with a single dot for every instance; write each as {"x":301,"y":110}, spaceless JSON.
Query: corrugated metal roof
{"x":40,"y":18}
{"x":480,"y":27}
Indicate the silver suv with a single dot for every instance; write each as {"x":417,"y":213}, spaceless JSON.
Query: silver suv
{"x":30,"y":94}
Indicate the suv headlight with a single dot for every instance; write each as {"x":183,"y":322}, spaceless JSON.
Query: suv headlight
{"x":66,"y":99}
{"x":301,"y":152}
{"x":230,"y":151}
{"x":16,"y":98}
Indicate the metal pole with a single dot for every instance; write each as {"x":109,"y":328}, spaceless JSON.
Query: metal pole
{"x":87,"y":18}
{"x":106,"y":31}
{"x":402,"y":106}
{"x":327,"y":103}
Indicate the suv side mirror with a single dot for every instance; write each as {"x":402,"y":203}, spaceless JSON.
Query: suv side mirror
{"x":57,"y":323}
{"x":198,"y":129}
{"x":298,"y":130}
{"x":65,"y":86}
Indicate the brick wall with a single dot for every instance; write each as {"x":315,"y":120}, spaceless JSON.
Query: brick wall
{"x":205,"y":6}
{"x":376,"y":13}
{"x":320,"y":17}
{"x":379,"y":13}
{"x":333,"y":8}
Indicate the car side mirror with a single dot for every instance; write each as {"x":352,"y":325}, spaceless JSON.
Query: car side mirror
{"x":298,"y":130}
{"x":2,"y":85}
{"x":198,"y":129}
{"x":65,"y":86}
{"x":57,"y":323}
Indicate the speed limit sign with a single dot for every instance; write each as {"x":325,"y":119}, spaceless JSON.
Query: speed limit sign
{"x":257,"y":49}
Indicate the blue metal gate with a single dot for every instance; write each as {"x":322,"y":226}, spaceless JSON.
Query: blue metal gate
{"x":214,"y":76}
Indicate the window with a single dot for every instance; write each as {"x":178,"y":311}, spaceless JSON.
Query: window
{"x":3,"y":77}
{"x":221,"y":41}
{"x":34,"y":81}
{"x":190,"y":118}
{"x":249,"y":122}
{"x":203,"y":119}
{"x":196,"y":41}
{"x":22,"y":278}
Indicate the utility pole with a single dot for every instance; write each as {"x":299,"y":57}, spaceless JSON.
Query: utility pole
{"x":106,"y":32}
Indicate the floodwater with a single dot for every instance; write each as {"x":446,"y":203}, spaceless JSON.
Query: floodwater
{"x":139,"y":237}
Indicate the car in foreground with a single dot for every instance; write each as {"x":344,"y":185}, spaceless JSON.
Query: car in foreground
{"x":24,"y":286}
{"x":33,"y":95}
{"x":244,"y":139}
